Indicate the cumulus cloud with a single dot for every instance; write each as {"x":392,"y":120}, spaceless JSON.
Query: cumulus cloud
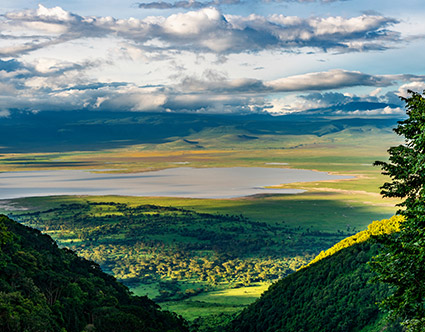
{"x":337,"y":104}
{"x":417,"y":86}
{"x":52,"y":84}
{"x":352,"y":106}
{"x":204,"y":30}
{"x":385,"y":111}
{"x":45,"y":70}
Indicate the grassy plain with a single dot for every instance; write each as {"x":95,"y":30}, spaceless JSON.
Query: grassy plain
{"x":338,"y":208}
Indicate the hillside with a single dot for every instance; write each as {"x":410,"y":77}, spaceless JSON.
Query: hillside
{"x":95,"y":131}
{"x":334,"y":294}
{"x":44,"y":288}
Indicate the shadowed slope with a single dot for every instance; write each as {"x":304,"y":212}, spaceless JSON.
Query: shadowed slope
{"x":44,"y":288}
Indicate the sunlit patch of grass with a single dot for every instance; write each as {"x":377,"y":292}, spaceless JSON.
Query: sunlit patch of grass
{"x":149,"y":290}
{"x":229,"y":300}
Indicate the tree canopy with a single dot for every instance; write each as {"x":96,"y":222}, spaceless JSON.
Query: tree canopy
{"x":334,"y":294}
{"x":45,"y":288}
{"x":402,"y":262}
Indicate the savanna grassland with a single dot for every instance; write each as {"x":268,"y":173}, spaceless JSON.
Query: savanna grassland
{"x":204,"y":256}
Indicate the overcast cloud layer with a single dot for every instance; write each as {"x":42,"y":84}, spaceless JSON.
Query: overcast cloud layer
{"x":209,"y":56}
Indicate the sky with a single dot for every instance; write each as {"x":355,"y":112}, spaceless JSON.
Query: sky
{"x":211,"y":56}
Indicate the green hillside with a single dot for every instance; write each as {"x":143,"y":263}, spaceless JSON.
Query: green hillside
{"x":334,"y":294}
{"x":44,"y":288}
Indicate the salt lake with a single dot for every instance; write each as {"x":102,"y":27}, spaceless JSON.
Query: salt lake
{"x":173,"y":182}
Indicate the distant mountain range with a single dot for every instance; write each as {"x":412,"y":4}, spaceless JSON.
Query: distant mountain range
{"x":88,"y":130}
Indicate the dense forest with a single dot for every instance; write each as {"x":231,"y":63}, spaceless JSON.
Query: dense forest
{"x":334,"y":294}
{"x":44,"y":288}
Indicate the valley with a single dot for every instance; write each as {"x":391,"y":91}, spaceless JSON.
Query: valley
{"x":212,"y":166}
{"x":202,"y":256}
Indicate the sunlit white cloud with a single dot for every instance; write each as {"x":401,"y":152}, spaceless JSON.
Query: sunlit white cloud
{"x":418,"y":86}
{"x":337,"y":104}
{"x":193,"y":60}
{"x":51,"y":84}
{"x":206,"y":30}
{"x":387,"y":110}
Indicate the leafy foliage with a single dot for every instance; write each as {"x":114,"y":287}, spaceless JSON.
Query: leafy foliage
{"x":402,"y":264}
{"x":376,"y":228}
{"x":44,"y":288}
{"x":211,"y":323}
{"x":333,"y":294}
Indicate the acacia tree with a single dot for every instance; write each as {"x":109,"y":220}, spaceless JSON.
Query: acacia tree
{"x":402,"y":262}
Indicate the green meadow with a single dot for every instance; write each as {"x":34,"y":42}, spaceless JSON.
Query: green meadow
{"x":199,"y":257}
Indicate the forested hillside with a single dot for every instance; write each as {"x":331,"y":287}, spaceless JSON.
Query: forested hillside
{"x":44,"y":288}
{"x":334,"y":294}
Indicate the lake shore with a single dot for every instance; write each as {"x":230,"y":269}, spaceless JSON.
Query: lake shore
{"x":229,"y":182}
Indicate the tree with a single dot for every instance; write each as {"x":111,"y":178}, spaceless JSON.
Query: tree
{"x":402,"y":262}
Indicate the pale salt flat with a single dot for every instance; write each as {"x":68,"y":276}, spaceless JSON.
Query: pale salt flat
{"x":173,"y":182}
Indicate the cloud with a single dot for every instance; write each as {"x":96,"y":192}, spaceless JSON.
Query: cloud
{"x":331,"y":98}
{"x":187,"y":4}
{"x":416,"y":86}
{"x":193,"y":4}
{"x":385,"y":111}
{"x":332,"y":79}
{"x":337,"y":104}
{"x":50,"y":84}
{"x":357,"y":107}
{"x":204,"y":30}
{"x":319,"y":81}
{"x":21,"y":73}
{"x":4,"y":113}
